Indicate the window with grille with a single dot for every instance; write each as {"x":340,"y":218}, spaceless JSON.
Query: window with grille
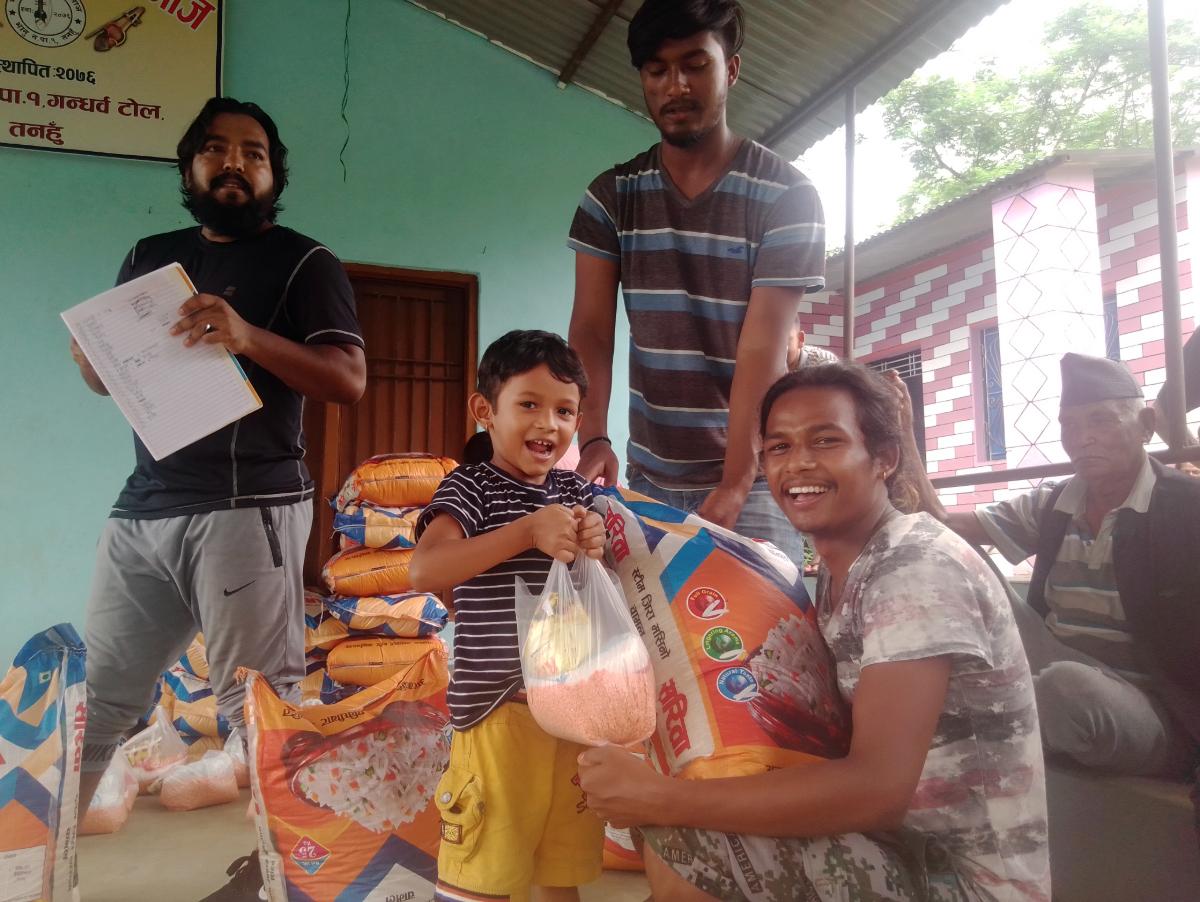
{"x":1112,"y":334}
{"x":909,"y":367}
{"x":993,"y":394}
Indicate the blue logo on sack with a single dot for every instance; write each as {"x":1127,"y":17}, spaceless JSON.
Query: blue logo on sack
{"x":737,"y":684}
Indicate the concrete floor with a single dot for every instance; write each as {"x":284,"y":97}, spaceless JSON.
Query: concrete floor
{"x":164,"y":856}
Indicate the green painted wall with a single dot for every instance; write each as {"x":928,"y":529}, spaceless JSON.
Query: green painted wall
{"x":461,"y":157}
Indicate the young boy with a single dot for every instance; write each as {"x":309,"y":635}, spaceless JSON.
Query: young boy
{"x":488,"y":524}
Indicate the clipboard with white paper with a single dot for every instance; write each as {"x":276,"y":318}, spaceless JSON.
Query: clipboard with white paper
{"x":171,"y":395}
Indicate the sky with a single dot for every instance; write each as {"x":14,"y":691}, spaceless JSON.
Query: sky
{"x":882,"y":173}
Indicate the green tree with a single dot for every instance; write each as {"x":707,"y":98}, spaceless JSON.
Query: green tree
{"x":1092,"y":91}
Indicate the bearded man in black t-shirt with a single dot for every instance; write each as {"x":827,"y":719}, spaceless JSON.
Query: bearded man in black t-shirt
{"x":212,"y":537}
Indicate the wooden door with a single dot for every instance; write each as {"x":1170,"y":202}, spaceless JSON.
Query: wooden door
{"x":419,"y":328}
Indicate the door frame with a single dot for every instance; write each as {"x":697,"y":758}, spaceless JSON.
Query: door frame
{"x":329,"y":414}
{"x":468,"y":282}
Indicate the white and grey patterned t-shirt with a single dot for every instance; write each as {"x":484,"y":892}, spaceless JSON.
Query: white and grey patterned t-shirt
{"x":917,"y":591}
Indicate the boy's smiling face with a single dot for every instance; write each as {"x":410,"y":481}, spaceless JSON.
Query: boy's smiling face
{"x":531,"y":423}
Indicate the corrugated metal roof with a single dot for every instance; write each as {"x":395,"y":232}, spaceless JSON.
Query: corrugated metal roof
{"x":795,"y":51}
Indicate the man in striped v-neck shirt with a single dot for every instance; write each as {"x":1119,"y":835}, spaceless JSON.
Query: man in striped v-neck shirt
{"x":714,"y":241}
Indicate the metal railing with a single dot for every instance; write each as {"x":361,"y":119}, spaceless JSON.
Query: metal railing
{"x":1190,"y":454}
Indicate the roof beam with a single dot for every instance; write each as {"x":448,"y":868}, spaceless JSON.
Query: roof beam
{"x":589,"y":41}
{"x":895,"y":42}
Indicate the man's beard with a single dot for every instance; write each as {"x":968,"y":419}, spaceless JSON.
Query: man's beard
{"x":691,"y":139}
{"x":687,"y":139}
{"x":231,"y":220}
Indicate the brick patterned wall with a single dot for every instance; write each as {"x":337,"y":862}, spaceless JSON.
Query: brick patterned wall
{"x":822,"y":315}
{"x":939,"y":304}
{"x":936,"y":305}
{"x":1130,"y":269}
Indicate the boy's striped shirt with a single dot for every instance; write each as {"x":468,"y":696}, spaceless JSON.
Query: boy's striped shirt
{"x":487,"y":662}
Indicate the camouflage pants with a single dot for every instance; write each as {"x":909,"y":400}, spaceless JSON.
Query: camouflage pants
{"x":847,"y":868}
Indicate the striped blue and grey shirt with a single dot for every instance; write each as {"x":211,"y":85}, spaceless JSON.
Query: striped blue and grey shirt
{"x":687,"y":268}
{"x":1086,"y":612}
{"x":487,"y":662}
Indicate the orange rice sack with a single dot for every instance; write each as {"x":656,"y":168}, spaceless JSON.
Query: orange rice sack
{"x":318,"y":687}
{"x":43,"y":708}
{"x":314,"y":602}
{"x":395,"y":480}
{"x":203,"y":746}
{"x":314,"y":674}
{"x":377,"y":526}
{"x":343,"y":793}
{"x":323,"y":633}
{"x":619,"y":851}
{"x":744,"y":680}
{"x":368,"y":661}
{"x":408,"y":616}
{"x":200,"y":784}
{"x":192,"y":706}
{"x":368,"y":572}
{"x":195,"y":659}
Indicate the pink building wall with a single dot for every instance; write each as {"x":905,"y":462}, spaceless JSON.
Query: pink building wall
{"x":939,"y":304}
{"x":1128,"y":220}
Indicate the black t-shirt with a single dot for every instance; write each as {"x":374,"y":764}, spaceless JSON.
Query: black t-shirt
{"x":278,"y":280}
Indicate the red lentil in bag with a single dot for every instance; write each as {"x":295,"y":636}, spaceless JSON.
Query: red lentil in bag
{"x":587,"y":675}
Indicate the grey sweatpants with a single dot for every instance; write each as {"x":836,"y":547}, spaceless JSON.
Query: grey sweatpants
{"x":236,"y":575}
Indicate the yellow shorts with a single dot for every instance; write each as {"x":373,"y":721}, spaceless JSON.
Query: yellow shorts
{"x":512,"y":811}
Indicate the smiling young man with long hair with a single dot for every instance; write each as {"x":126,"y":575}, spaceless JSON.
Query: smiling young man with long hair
{"x":942,"y":794}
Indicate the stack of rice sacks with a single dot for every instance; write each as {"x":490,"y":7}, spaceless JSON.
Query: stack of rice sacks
{"x":321,"y":633}
{"x":344,"y":783}
{"x":372,"y":624}
{"x":187,"y":697}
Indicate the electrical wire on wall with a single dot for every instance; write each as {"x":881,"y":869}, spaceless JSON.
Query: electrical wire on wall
{"x":345,"y":90}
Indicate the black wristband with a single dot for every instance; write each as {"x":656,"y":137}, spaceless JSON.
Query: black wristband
{"x":592,"y":441}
